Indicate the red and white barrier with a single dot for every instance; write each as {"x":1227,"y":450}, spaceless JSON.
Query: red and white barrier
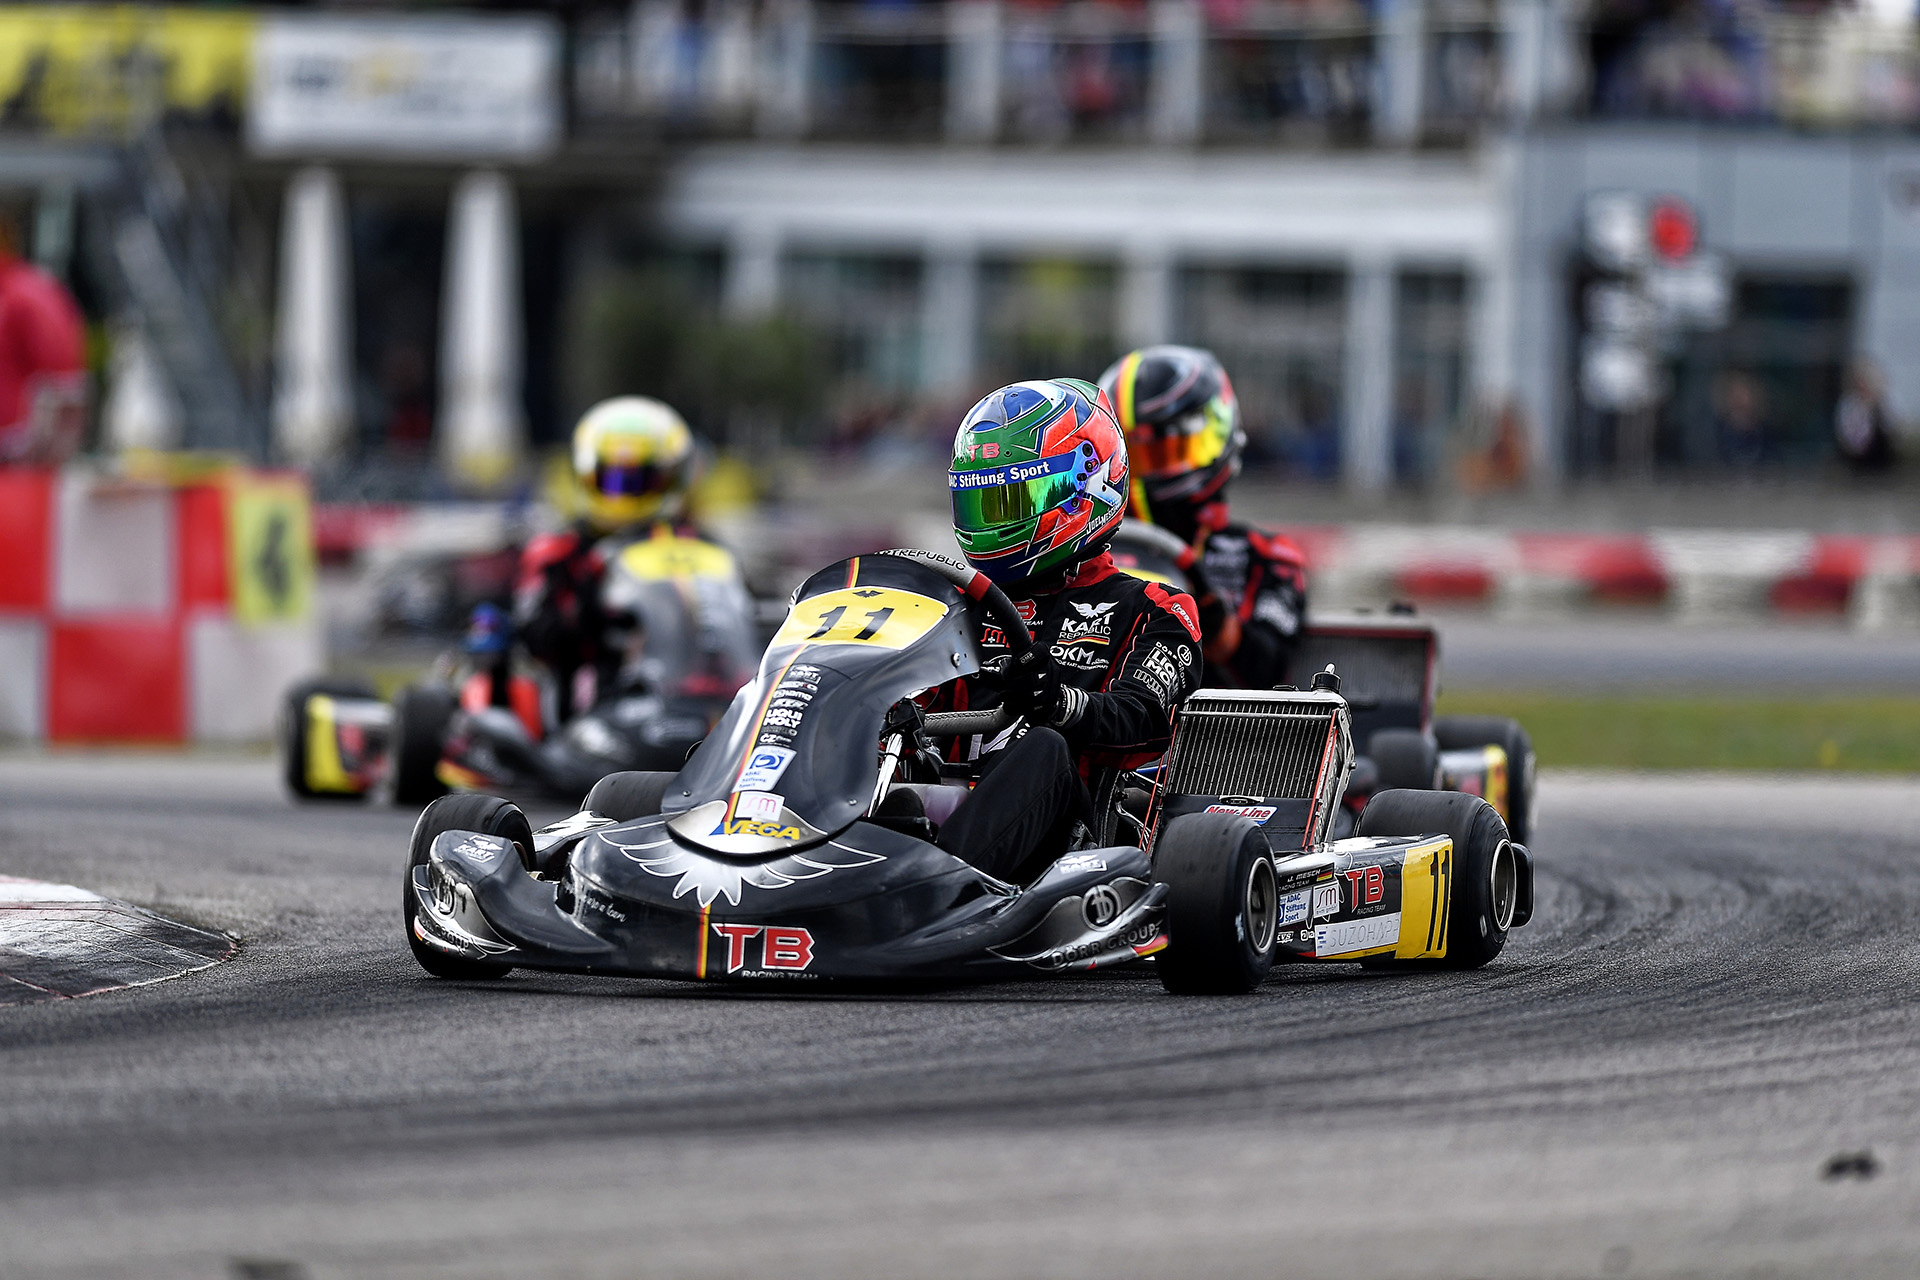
{"x":152,"y":611}
{"x":1699,"y":575}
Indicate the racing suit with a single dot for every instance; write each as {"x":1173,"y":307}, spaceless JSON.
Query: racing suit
{"x":1125,"y":653}
{"x":1252,"y":625}
{"x":557,"y":612}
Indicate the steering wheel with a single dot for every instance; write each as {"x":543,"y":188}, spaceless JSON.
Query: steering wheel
{"x":982,"y":590}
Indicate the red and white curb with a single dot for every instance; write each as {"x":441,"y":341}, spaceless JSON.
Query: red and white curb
{"x":1693,"y":574}
{"x":59,"y":942}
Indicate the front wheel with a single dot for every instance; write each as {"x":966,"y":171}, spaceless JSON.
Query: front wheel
{"x":295,"y":731}
{"x":1484,"y":888}
{"x":625,"y":796}
{"x":1223,"y":904}
{"x":487,"y":815}
{"x":421,"y":715}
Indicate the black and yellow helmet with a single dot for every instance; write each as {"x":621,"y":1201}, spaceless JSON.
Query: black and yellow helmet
{"x":633,"y":457}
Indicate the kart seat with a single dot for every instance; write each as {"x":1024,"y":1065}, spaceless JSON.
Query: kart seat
{"x":937,"y":799}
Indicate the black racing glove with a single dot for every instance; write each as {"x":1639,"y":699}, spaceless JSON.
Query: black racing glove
{"x":1033,"y":687}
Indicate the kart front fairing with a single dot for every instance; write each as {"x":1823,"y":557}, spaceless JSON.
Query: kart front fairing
{"x":794,"y":759}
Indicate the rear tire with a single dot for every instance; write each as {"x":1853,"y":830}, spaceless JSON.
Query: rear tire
{"x":293,"y":732}
{"x":1457,"y":733}
{"x":488,"y":815}
{"x":1483,"y":882}
{"x":626,"y":796}
{"x":1405,"y":758}
{"x":421,"y":715}
{"x":1223,"y":908}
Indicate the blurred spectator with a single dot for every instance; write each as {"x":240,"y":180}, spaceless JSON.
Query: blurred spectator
{"x":43,"y":379}
{"x":1502,"y":464}
{"x":1860,"y":425}
{"x":1740,"y":420}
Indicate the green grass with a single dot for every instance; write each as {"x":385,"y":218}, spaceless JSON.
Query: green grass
{"x":1862,"y":734}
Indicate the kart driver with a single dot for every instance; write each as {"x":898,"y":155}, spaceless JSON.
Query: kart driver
{"x":633,"y":458}
{"x":1039,"y":484}
{"x":1184,"y":441}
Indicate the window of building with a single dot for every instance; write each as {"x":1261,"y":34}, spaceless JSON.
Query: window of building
{"x":1429,"y":372}
{"x":1280,"y":333}
{"x":1758,"y":394}
{"x":866,"y":309}
{"x":1046,"y":318}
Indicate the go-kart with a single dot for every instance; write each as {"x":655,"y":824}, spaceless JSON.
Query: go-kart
{"x":778,"y":852}
{"x":1389,"y":665}
{"x":685,"y":624}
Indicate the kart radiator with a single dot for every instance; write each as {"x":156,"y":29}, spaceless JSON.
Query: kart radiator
{"x":1260,"y":745}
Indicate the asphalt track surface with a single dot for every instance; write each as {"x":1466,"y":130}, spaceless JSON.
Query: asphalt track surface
{"x":1714,"y":1000}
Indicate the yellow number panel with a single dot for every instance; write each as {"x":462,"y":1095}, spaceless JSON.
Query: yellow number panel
{"x":883,"y":616}
{"x":671,"y":557}
{"x":1426,"y":882}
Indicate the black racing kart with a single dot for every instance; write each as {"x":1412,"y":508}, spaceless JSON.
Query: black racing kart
{"x":682,"y":617}
{"x":1389,"y":665}
{"x":776,"y":852}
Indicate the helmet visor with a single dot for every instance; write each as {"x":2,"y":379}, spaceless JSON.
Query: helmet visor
{"x":629,"y":479}
{"x":1187,"y":443}
{"x":1015,"y":494}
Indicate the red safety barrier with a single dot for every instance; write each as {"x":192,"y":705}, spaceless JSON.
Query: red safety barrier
{"x":152,"y":609}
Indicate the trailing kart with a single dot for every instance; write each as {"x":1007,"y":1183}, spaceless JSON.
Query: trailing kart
{"x":775,"y":853}
{"x":1389,"y":666}
{"x":688,"y":631}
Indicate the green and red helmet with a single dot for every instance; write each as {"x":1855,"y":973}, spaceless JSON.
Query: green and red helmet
{"x":1039,"y":479}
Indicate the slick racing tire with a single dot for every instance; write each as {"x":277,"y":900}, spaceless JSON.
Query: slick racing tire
{"x":1459,"y":733}
{"x":1405,"y":758}
{"x":1223,"y":905}
{"x":421,"y":715}
{"x":487,"y":815}
{"x":293,"y":732}
{"x":626,"y":796}
{"x":1484,"y":880}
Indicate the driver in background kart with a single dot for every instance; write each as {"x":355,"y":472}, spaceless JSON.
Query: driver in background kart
{"x":1039,"y":484}
{"x":633,"y":458}
{"x":1184,"y":440}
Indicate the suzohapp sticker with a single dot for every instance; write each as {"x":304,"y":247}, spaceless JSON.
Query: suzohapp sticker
{"x":764,"y":769}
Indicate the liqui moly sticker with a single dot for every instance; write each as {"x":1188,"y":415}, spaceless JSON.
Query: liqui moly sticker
{"x":764,"y":769}
{"x":1258,"y":812}
{"x":760,"y":806}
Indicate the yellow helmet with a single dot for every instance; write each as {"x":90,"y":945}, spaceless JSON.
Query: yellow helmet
{"x":632,"y":456}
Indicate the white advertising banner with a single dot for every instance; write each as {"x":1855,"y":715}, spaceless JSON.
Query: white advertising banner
{"x":468,"y":88}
